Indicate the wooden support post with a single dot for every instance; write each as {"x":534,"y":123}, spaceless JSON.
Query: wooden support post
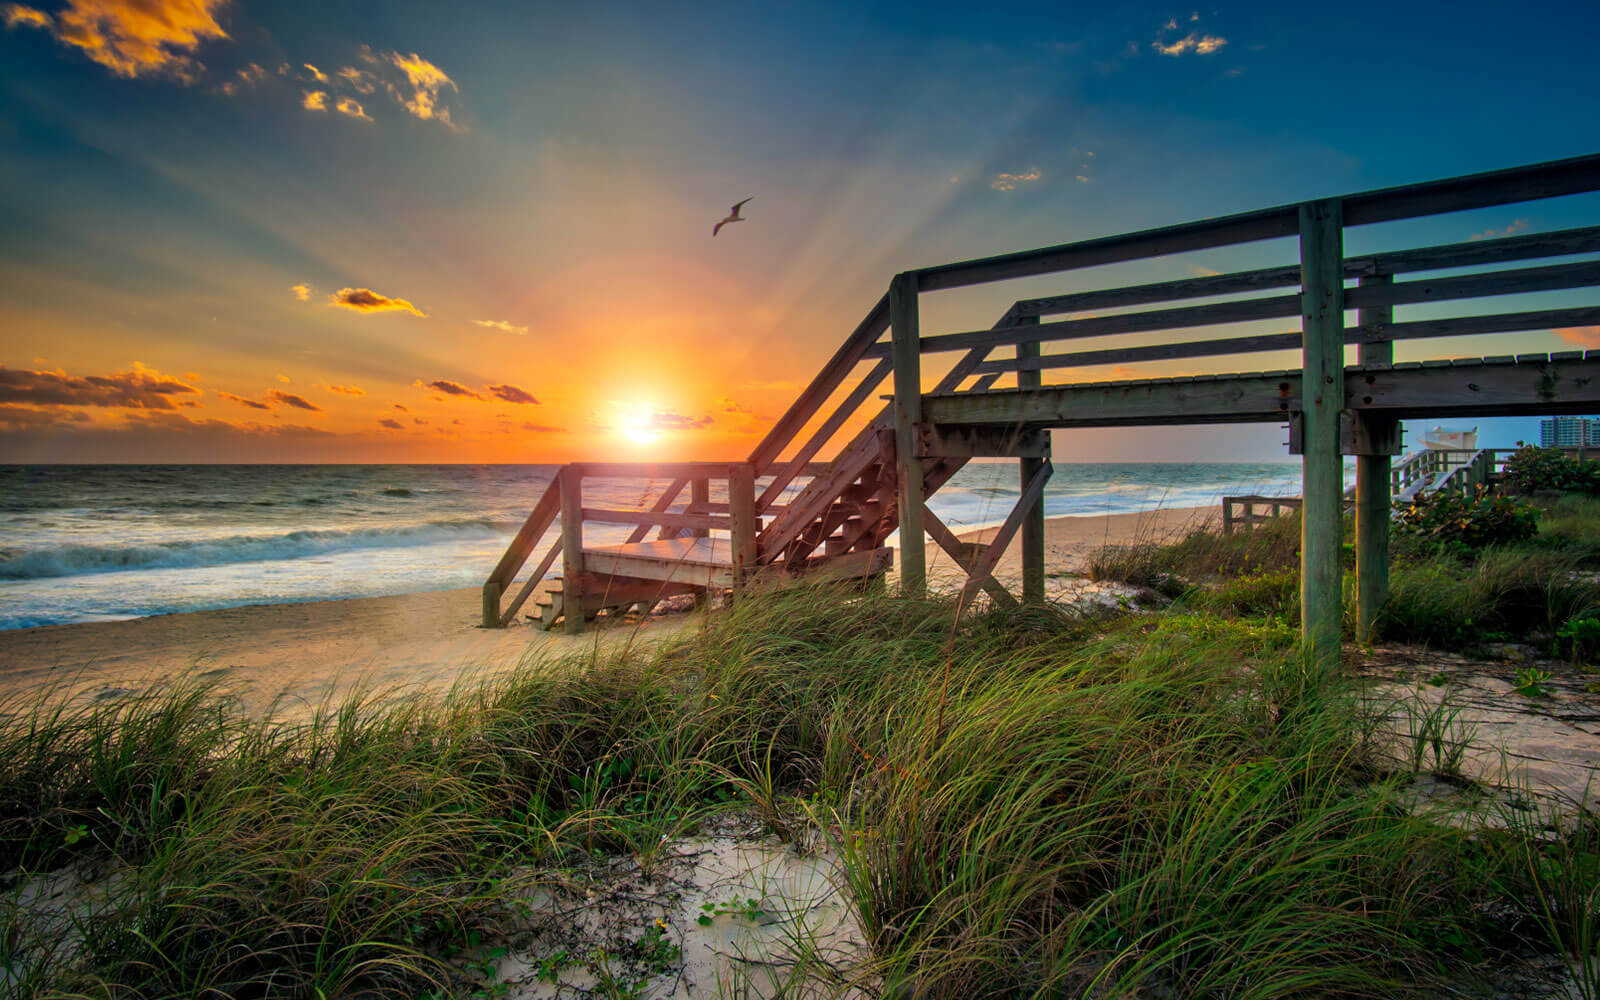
{"x":492,"y":590}
{"x":1322,"y":392}
{"x":1373,"y":489}
{"x":905,"y":328}
{"x":699,"y":497}
{"x":572,"y":548}
{"x":742,"y":512}
{"x":1033,"y":520}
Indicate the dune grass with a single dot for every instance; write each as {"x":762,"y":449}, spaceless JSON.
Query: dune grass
{"x":1024,"y":804}
{"x":1451,"y":597}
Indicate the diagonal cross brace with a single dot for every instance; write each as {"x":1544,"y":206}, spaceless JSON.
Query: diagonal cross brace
{"x":958,"y":550}
{"x":982,"y":568}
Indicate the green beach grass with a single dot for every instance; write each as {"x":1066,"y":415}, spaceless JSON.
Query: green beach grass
{"x":1023,"y":804}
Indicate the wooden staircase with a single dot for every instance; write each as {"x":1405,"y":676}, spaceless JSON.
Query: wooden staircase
{"x":833,"y":528}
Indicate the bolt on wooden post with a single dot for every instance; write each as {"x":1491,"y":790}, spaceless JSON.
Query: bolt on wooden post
{"x":1322,"y":399}
{"x":906,"y":350}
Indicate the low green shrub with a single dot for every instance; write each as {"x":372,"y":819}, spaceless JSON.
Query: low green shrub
{"x":1468,"y":519}
{"x":1531,"y":469}
{"x":1579,"y":639}
{"x":1274,"y":593}
{"x":1459,"y":600}
{"x":1202,"y":554}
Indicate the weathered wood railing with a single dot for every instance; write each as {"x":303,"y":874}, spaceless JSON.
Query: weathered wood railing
{"x":1320,"y":302}
{"x":1240,"y":511}
{"x":562,"y":502}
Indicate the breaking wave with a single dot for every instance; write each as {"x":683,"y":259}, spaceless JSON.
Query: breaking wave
{"x":75,"y":560}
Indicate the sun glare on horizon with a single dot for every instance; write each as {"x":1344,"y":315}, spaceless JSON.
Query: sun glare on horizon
{"x":637,"y":427}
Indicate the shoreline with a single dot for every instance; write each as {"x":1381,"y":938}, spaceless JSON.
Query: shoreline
{"x":300,"y":653}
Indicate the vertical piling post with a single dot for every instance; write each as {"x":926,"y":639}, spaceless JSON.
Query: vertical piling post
{"x":1374,"y":490}
{"x":699,"y":501}
{"x":1033,"y":523}
{"x":906,"y":350}
{"x":492,"y":589}
{"x":742,"y":514}
{"x":571,"y":548}
{"x":1322,"y":399}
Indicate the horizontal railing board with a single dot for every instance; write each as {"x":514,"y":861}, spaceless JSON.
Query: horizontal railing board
{"x":1464,"y":326}
{"x":665,"y":519}
{"x":1473,"y":252}
{"x":1483,"y":190}
{"x":533,"y":528}
{"x":1557,"y":243}
{"x":1455,"y":326}
{"x":1536,"y":385}
{"x":822,"y":386}
{"x":1215,"y":314}
{"x":782,"y":477}
{"x":1149,"y":352}
{"x":1520,"y":281}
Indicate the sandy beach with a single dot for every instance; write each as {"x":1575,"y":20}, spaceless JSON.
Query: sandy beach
{"x":300,"y":653}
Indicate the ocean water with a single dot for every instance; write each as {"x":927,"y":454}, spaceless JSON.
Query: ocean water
{"x":99,"y":543}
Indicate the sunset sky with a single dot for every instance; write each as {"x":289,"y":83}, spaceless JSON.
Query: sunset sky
{"x":365,"y":232}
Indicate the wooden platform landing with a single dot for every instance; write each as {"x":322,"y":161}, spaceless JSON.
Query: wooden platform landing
{"x":699,"y":562}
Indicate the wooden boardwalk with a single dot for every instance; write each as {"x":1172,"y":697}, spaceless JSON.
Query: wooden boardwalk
{"x":780,"y":518}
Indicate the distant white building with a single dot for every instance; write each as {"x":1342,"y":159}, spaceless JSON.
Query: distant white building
{"x":1443,"y":439}
{"x":1570,"y":432}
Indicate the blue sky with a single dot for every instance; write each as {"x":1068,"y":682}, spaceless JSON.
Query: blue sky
{"x":543,"y":204}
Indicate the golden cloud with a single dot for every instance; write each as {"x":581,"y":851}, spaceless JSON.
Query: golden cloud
{"x":347,"y":390}
{"x":1517,"y":226}
{"x":301,"y":291}
{"x":290,"y":399}
{"x":140,"y":389}
{"x":1194,"y":41}
{"x":132,"y":37}
{"x":501,"y":325}
{"x":352,"y":107}
{"x":1583,"y":336}
{"x":17,"y":15}
{"x":316,"y":74}
{"x":448,"y":387}
{"x":1009,"y":182}
{"x":242,"y":401}
{"x":315,"y":100}
{"x":252,"y":75}
{"x":512,"y":394}
{"x":368,"y":301}
{"x":359,"y":80}
{"x":426,"y":80}
{"x":14,"y":418}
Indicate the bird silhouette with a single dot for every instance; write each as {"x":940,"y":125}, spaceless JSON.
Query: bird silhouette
{"x":733,"y":216}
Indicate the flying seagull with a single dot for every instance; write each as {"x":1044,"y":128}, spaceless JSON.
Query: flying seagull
{"x":733,"y":216}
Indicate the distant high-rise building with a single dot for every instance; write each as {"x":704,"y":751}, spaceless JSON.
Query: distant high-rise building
{"x":1570,"y":432}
